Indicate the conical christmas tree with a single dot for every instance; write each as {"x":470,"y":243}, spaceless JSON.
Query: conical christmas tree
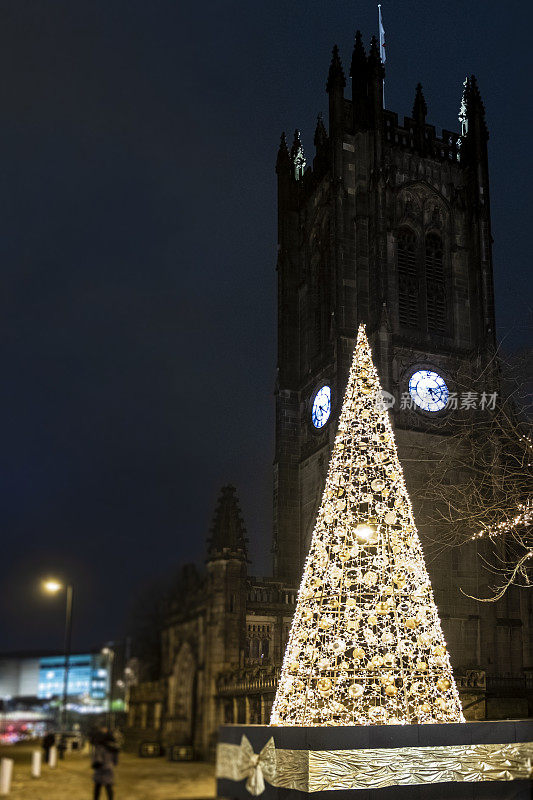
{"x":366,"y":645}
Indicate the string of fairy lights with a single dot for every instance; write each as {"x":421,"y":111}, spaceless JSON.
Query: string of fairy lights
{"x":522,"y":519}
{"x":366,"y":644}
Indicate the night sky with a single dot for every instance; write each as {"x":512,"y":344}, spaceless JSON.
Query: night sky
{"x":137,"y":254}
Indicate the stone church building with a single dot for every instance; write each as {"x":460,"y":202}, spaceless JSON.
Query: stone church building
{"x":390,"y":225}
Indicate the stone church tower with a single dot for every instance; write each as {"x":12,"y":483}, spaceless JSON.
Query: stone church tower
{"x":389,"y":226}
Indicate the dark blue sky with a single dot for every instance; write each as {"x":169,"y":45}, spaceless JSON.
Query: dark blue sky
{"x":137,"y":254}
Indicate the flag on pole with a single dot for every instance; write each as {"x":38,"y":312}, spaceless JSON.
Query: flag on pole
{"x":382,"y":53}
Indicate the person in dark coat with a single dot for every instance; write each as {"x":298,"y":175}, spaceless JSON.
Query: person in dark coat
{"x":48,"y":741}
{"x":105,"y":758}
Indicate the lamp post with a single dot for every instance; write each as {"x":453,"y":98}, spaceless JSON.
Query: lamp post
{"x":110,"y":654}
{"x":53,"y":586}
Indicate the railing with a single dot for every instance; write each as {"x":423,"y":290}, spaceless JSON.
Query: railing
{"x":252,"y":682}
{"x":258,"y":680}
{"x":510,"y":685}
{"x":474,"y":679}
{"x":149,"y":690}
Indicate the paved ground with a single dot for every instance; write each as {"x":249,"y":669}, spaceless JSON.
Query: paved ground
{"x":136,"y":778}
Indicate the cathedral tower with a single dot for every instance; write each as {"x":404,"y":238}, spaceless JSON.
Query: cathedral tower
{"x":389,"y":226}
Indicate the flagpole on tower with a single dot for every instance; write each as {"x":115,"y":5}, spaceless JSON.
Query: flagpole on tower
{"x":382,"y":53}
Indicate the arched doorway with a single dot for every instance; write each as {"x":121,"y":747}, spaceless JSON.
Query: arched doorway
{"x":181,"y":705}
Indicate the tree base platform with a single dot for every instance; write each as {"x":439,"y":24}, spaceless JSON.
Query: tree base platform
{"x":457,"y":761}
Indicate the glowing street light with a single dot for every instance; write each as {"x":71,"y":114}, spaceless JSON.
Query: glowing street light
{"x":53,"y":586}
{"x":109,"y":653}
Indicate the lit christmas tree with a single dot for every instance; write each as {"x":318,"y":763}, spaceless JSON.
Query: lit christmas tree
{"x":366,"y":645}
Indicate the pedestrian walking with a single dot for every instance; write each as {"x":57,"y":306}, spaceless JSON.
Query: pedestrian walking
{"x":48,"y":741}
{"x":62,"y":746}
{"x":104,"y":761}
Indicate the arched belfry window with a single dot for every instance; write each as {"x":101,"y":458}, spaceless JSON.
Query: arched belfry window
{"x":408,"y":283}
{"x":435,"y":284}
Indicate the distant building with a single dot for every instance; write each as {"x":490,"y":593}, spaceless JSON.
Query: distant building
{"x":88,"y":676}
{"x":41,"y":675}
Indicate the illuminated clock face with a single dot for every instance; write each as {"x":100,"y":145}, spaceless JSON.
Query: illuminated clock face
{"x":428,"y":390}
{"x":321,"y":407}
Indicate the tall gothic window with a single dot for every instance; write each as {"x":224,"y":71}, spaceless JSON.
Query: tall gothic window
{"x":408,"y":278}
{"x":435,"y":284}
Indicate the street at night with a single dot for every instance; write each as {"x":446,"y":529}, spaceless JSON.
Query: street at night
{"x":137,"y":778}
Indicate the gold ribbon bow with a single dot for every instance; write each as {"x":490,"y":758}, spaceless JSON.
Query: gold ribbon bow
{"x":257,"y":767}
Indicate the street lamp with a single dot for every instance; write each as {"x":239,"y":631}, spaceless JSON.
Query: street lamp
{"x":110,"y":654}
{"x":53,"y":586}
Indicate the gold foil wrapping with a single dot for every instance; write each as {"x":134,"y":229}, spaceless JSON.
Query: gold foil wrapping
{"x":327,"y":770}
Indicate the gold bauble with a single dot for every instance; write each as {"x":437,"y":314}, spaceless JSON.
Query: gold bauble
{"x":389,"y":659}
{"x":411,"y":623}
{"x":440,"y":650}
{"x":443,"y":684}
{"x":399,"y":580}
{"x":325,"y":623}
{"x":370,"y":578}
{"x":358,"y":653}
{"x":294,"y":666}
{"x":421,"y":666}
{"x":377,"y":485}
{"x":391,"y":690}
{"x":324,"y":686}
{"x":338,"y":646}
{"x":390,"y":518}
{"x":372,"y":620}
{"x":307,"y":615}
{"x":382,"y":608}
{"x":425,"y":708}
{"x":387,"y":679}
{"x":441,"y":703}
{"x":355,"y":691}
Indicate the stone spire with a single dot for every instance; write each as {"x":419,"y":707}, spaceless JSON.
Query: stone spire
{"x":358,"y":64}
{"x":321,"y":135}
{"x":475,"y":108}
{"x":359,"y":76}
{"x":420,"y":109}
{"x":475,"y":132}
{"x":336,"y":77}
{"x":374,"y":59}
{"x":283,"y":160}
{"x":228,"y":534}
{"x":297,"y":155}
{"x":376,"y":75}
